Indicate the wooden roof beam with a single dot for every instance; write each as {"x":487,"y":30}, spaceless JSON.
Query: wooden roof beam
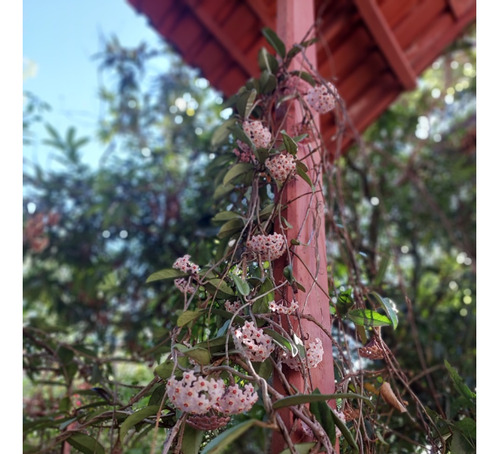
{"x":384,"y":37}
{"x":225,"y":41}
{"x":260,"y":10}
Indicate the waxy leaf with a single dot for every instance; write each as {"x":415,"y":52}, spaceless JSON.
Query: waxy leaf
{"x":230,"y":228}
{"x":299,"y":399}
{"x":221,"y":134}
{"x":191,"y":441}
{"x":300,"y":448}
{"x":168,"y":273}
{"x":136,"y":418}
{"x":289,"y":143}
{"x":85,"y":443}
{"x":283,"y":342}
{"x":200,"y":355}
{"x":367,"y":317}
{"x":459,"y":383}
{"x":273,"y":39}
{"x":188,"y":316}
{"x":222,"y":441}
{"x":224,"y":216}
{"x":241,"y":285}
{"x":268,"y":61}
{"x":389,"y":307}
{"x":237,"y":170}
{"x":220,"y":286}
{"x":245,"y":102}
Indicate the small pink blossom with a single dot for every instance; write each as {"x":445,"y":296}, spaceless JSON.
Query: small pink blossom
{"x":269,"y":246}
{"x":194,"y":394}
{"x":314,"y":352}
{"x":231,"y":306}
{"x":236,"y":400}
{"x":184,"y":286}
{"x":280,"y":308}
{"x":253,"y":342}
{"x":322,"y":98}
{"x":183,"y":264}
{"x":257,"y":133}
{"x":281,"y":166}
{"x":243,"y":152}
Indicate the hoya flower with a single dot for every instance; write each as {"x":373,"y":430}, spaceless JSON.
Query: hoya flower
{"x":194,"y":394}
{"x":183,"y":264}
{"x":243,"y":152}
{"x":322,"y":98}
{"x":232,"y":306}
{"x":257,"y":133}
{"x":236,"y":400}
{"x":280,"y":308}
{"x":184,"y":286}
{"x":314,"y":352}
{"x":281,"y":166}
{"x":253,"y":342}
{"x":269,"y":246}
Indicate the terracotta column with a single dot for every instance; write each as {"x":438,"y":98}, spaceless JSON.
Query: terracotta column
{"x":305,"y":213}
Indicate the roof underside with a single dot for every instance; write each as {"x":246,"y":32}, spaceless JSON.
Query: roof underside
{"x":371,"y":49}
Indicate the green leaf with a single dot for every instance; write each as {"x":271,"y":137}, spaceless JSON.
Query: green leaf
{"x":459,"y":383}
{"x":221,"y":134}
{"x":167,"y":273}
{"x":300,"y":448}
{"x":189,"y":316}
{"x":264,"y":369}
{"x":136,"y":418}
{"x":289,"y":143}
{"x":273,"y":39}
{"x":389,"y":307}
{"x":283,"y":342}
{"x":220,"y":286}
{"x":299,"y":399}
{"x":323,"y":414}
{"x":200,"y":355}
{"x":345,"y":432}
{"x":222,"y":190}
{"x":223,"y":440}
{"x":367,"y":317}
{"x":241,"y":285}
{"x":230,"y":228}
{"x":303,"y":174}
{"x":245,"y":102}
{"x":85,"y":443}
{"x":305,"y":76}
{"x":224,"y":216}
{"x":165,"y":369}
{"x":237,"y":170}
{"x":267,"y":82}
{"x":268,"y":61}
{"x":191,"y":440}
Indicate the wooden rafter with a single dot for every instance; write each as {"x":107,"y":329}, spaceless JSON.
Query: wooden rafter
{"x":384,"y":37}
{"x":197,"y":8}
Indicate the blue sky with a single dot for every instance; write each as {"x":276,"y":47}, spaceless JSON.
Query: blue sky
{"x":59,"y":39}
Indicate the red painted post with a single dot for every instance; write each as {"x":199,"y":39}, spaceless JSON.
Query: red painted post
{"x":305,"y":212}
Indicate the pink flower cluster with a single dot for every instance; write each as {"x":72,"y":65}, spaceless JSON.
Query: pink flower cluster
{"x":243,"y":152}
{"x":198,"y":395}
{"x":281,"y":166}
{"x":183,"y":264}
{"x":231,"y":306}
{"x":321,"y":99}
{"x":236,"y":400}
{"x":314,"y":352}
{"x":270,"y":246}
{"x":194,"y":394}
{"x":253,"y":342}
{"x":257,"y":133}
{"x":280,"y":308}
